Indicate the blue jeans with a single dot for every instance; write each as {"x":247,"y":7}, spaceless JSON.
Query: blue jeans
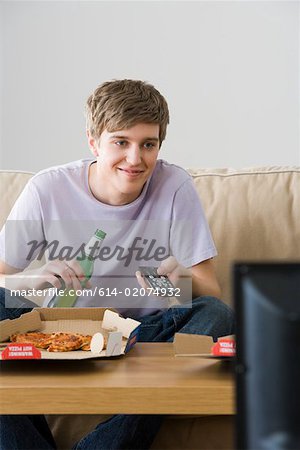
{"x":205,"y":315}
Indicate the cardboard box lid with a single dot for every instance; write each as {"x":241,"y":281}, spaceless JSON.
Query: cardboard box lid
{"x":71,"y":313}
{"x":30,"y":321}
{"x":196,"y":345}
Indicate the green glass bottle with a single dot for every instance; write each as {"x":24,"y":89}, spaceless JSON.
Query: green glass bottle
{"x":90,"y":253}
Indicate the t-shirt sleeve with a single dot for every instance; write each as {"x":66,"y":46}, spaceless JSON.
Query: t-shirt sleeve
{"x":190,"y":237}
{"x":23,"y":230}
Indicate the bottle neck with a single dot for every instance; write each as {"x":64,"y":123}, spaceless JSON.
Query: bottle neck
{"x":92,"y":248}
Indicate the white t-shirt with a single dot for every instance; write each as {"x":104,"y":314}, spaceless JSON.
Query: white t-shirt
{"x":57,"y":206}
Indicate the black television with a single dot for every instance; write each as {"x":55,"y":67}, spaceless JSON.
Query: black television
{"x":267,"y":304}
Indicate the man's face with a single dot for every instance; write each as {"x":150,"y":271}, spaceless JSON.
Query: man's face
{"x":125,"y":160}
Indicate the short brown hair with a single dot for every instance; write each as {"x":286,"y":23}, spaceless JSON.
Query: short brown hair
{"x":121,"y":104}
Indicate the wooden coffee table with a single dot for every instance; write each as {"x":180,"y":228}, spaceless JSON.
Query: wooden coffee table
{"x":149,"y":379}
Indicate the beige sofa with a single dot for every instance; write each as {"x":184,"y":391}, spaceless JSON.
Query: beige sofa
{"x":254,"y":214}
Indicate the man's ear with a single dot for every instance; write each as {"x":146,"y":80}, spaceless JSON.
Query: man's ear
{"x":92,"y":143}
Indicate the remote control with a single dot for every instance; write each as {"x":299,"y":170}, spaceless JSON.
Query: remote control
{"x":160,"y":283}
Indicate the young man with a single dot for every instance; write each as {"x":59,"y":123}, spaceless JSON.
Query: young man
{"x":152,"y":215}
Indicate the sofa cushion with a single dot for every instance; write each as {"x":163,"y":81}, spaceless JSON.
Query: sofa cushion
{"x":254,"y":215}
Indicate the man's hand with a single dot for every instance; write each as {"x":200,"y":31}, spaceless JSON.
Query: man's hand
{"x":141,"y":280}
{"x":199,"y":280}
{"x":60,"y":274}
{"x":56,"y":273}
{"x":172,"y":269}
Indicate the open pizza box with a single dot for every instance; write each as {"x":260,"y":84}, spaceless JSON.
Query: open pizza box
{"x":120,"y":334}
{"x":204,"y":346}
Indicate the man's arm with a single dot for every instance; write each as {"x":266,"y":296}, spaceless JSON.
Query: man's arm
{"x":6,"y":271}
{"x":204,"y":280}
{"x":47,"y":275}
{"x":13,"y":278}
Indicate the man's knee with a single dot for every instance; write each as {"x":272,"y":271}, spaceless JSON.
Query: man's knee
{"x":217,"y":313}
{"x":205,"y":315}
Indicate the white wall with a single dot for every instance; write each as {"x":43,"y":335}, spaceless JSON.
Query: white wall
{"x":229,"y":70}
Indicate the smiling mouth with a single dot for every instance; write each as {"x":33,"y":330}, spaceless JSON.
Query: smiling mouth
{"x":131,"y":172}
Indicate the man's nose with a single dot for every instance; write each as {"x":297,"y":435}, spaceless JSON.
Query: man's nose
{"x":134,"y":155}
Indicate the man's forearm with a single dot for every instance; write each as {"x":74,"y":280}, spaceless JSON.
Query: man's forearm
{"x":203,"y":287}
{"x":15,"y":281}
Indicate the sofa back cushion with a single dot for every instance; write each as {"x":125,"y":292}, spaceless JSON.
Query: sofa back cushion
{"x":254,"y":214}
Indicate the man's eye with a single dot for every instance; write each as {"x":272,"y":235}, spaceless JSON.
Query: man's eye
{"x":149,"y":145}
{"x":121,"y":143}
